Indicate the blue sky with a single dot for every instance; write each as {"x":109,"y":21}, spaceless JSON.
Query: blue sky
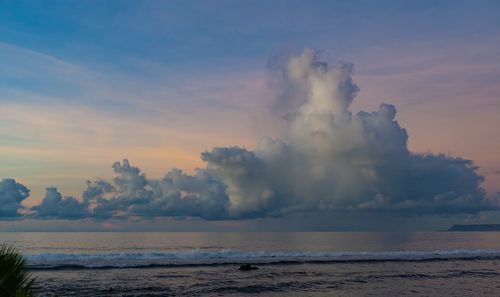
{"x":86,"y":83}
{"x":186,"y":34}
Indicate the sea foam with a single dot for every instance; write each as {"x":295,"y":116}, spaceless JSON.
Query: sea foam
{"x":227,"y":256}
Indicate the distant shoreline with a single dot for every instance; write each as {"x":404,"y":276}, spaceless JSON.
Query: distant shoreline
{"x":478,"y":227}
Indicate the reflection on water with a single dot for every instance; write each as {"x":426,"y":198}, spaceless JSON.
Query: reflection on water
{"x":90,"y":242}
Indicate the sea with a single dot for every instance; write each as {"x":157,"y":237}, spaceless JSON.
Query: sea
{"x":289,"y":264}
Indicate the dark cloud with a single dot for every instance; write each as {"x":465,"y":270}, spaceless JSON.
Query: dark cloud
{"x":12,"y":194}
{"x":177,"y":194}
{"x":96,"y":188}
{"x":328,"y":160}
{"x":54,"y":206}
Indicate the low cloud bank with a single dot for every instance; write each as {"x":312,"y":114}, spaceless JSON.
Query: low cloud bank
{"x":327,"y":160}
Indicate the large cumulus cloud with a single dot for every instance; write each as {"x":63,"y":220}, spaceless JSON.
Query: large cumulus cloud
{"x":328,"y":159}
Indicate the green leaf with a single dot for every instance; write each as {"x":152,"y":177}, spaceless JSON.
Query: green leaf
{"x":15,"y":278}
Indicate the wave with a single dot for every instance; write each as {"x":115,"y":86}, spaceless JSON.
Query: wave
{"x":233,"y":257}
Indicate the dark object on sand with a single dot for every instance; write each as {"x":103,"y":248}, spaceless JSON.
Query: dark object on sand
{"x":247,"y":267}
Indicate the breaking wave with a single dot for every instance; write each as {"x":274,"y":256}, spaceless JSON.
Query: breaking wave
{"x":232,"y":257}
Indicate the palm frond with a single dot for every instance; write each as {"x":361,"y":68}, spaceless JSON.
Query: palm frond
{"x":15,"y":279}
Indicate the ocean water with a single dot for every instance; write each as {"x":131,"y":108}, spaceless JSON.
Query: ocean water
{"x":290,"y":264}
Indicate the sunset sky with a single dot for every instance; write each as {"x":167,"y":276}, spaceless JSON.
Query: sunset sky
{"x":85,"y":84}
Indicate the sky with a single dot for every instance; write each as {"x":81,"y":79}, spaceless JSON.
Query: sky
{"x":235,"y":94}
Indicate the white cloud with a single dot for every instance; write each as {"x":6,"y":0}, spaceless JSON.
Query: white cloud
{"x":327,"y":160}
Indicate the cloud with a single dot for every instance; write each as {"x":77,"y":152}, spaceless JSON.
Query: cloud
{"x":12,"y":194}
{"x":326,"y":160}
{"x":177,"y":194}
{"x":54,"y":206}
